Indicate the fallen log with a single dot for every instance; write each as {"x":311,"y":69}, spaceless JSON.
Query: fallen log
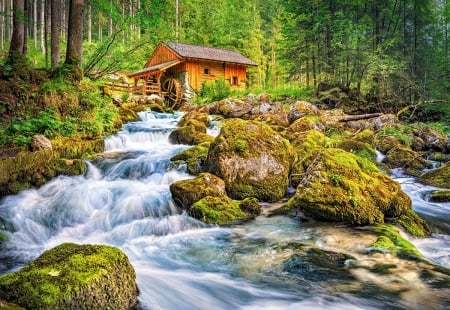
{"x":350,"y":118}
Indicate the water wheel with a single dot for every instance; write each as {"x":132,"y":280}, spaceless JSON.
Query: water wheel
{"x":172,"y":93}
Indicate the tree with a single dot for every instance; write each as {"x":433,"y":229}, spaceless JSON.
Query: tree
{"x":18,"y":47}
{"x":55,"y":31}
{"x":74,"y":50}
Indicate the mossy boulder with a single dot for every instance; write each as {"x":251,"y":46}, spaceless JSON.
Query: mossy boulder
{"x":72,"y":276}
{"x":414,"y":224}
{"x":300,"y":109}
{"x":223,"y":210}
{"x":306,"y":123}
{"x":390,"y":241}
{"x":439,"y":177}
{"x":192,"y":133}
{"x":198,"y":116}
{"x":194,"y":157}
{"x":186,"y":192}
{"x":231,"y":107}
{"x":252,"y":159}
{"x":440,"y":196}
{"x":403,"y":157}
{"x":72,"y":148}
{"x":339,"y":186}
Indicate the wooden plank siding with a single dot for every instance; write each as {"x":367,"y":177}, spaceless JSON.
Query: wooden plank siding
{"x":161,"y":54}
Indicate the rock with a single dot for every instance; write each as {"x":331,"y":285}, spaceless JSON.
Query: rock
{"x":252,"y":159}
{"x":195,"y":158}
{"x":117,"y":99}
{"x":432,"y":139}
{"x":402,"y":157}
{"x":316,"y":265}
{"x":194,"y":132}
{"x":230,"y":107}
{"x":339,"y":186}
{"x":306,"y":123}
{"x":300,"y":109}
{"x":440,"y":196}
{"x":186,"y":192}
{"x":414,"y":224}
{"x":223,"y":210}
{"x":439,"y":177}
{"x":40,"y":142}
{"x":389,"y":240}
{"x":267,"y":108}
{"x":198,"y":116}
{"x":72,"y":276}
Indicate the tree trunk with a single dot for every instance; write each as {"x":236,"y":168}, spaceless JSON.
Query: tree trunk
{"x":75,"y":35}
{"x":2,"y":25}
{"x":55,"y":30}
{"x":16,"y":48}
{"x":89,"y":28}
{"x":75,"y":40}
{"x":42,"y":21}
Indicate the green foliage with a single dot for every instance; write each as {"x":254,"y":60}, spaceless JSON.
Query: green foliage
{"x":401,"y":134}
{"x":214,"y":91}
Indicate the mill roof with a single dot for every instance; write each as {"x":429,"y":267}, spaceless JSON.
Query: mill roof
{"x":209,"y":53}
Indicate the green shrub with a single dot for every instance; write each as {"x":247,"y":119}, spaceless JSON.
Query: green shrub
{"x":214,"y":91}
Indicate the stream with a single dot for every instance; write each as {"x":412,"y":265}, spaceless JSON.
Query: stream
{"x":181,"y":263}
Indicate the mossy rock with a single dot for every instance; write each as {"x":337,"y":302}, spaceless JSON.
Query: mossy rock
{"x":402,"y":157}
{"x":72,"y":148}
{"x":25,"y":170}
{"x":223,"y":210}
{"x":385,"y":143}
{"x":193,"y":133}
{"x":252,"y":159}
{"x":339,"y":186}
{"x":72,"y":276}
{"x":365,"y":136}
{"x":306,"y":123}
{"x":440,"y":196}
{"x":194,"y":157}
{"x":70,"y":167}
{"x":359,"y":148}
{"x":414,"y":224}
{"x":186,"y":192}
{"x":389,"y":240}
{"x":198,"y":116}
{"x":439,"y":177}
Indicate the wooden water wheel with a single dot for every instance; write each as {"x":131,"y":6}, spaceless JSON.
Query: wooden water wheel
{"x":172,"y":93}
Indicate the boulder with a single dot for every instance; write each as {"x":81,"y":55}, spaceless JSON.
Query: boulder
{"x":439,"y":177}
{"x":432,"y":139}
{"x":223,"y":210}
{"x":72,"y":276}
{"x":442,"y":195}
{"x":194,"y":157}
{"x":192,"y":133}
{"x":339,"y":186}
{"x":198,"y":116}
{"x":230,"y":107}
{"x":402,"y":157}
{"x":252,"y":159}
{"x":186,"y":192}
{"x":40,"y":142}
{"x":300,"y":109}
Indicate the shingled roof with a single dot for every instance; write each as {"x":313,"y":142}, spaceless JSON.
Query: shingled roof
{"x":209,"y":53}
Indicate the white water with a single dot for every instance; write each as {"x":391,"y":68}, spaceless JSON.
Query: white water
{"x":182,"y":263}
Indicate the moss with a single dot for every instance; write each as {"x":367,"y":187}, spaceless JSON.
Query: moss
{"x":72,"y":148}
{"x":414,"y":224}
{"x":440,"y":196}
{"x":252,"y":159}
{"x":439,"y":177}
{"x":187,"y":192}
{"x":3,"y":237}
{"x":221,"y":210}
{"x":337,"y":186}
{"x":192,"y":134}
{"x":194,"y":157}
{"x":70,"y":167}
{"x":200,"y":117}
{"x":390,"y":240}
{"x":73,"y":276}
{"x":405,"y":158}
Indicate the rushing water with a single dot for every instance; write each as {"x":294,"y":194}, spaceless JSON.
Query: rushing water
{"x":182,"y":263}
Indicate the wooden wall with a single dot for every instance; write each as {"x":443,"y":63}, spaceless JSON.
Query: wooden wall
{"x":160,"y":55}
{"x":208,"y":71}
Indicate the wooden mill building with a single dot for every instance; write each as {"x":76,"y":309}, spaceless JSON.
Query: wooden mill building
{"x":176,"y":70}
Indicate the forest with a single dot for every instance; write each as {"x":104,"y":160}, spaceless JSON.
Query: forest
{"x":394,"y":52}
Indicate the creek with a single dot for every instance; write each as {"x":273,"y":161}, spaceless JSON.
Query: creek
{"x":181,"y":263}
